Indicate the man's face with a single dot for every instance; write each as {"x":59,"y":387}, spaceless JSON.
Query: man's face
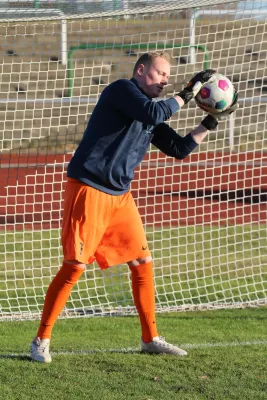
{"x":153,"y":78}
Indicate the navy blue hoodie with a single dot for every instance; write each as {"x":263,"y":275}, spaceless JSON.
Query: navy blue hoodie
{"x":123,"y":124}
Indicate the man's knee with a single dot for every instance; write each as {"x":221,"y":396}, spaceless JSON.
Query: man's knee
{"x":75,"y":262}
{"x":139,"y":261}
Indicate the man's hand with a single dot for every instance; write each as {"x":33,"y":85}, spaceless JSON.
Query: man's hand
{"x":195,"y":84}
{"x":211,"y":121}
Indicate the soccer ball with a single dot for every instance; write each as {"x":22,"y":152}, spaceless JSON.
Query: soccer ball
{"x":217,"y":95}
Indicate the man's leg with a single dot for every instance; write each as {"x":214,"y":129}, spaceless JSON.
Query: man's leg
{"x":144,"y":296}
{"x":144,"y":299}
{"x":83,"y":225}
{"x":55,"y":300}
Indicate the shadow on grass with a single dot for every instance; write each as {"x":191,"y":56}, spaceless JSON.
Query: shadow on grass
{"x":19,"y":357}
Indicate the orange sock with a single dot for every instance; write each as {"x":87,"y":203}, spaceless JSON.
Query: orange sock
{"x":57,"y":296}
{"x":144,"y":299}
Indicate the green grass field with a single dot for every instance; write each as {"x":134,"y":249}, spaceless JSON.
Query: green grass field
{"x":193,"y":265}
{"x":99,"y":358}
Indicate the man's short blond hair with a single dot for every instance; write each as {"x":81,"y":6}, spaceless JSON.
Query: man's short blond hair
{"x":148,"y":58}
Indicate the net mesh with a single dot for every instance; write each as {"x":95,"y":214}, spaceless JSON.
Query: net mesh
{"x":205,"y":217}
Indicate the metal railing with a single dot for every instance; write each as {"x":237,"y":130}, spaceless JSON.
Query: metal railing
{"x":198,"y":13}
{"x":20,"y":15}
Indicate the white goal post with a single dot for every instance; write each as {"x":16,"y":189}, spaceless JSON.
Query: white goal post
{"x":205,"y":217}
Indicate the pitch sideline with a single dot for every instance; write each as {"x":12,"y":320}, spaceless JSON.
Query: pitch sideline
{"x":185,"y":346}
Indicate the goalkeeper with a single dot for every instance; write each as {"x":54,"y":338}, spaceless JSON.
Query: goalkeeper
{"x":100,"y":220}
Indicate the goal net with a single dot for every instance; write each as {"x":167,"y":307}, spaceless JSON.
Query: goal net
{"x":205,"y":217}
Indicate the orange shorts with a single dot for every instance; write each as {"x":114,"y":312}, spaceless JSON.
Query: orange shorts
{"x":102,"y":227}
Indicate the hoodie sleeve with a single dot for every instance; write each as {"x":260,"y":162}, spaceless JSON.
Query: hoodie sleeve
{"x":127,"y":97}
{"x":171,"y":143}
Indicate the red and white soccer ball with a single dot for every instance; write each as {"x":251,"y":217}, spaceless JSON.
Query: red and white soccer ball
{"x":216,"y":96}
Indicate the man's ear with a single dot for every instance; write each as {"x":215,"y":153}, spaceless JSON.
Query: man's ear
{"x":140,"y":70}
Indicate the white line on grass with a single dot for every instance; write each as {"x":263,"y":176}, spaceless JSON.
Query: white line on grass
{"x":136,"y":350}
{"x":225,"y":344}
{"x":185,"y":346}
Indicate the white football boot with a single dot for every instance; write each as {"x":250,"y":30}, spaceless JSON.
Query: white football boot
{"x":40,"y":350}
{"x":160,"y":346}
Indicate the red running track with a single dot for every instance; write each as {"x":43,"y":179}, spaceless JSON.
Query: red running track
{"x":206,"y":188}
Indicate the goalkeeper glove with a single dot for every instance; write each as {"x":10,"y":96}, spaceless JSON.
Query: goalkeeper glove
{"x":195,"y":84}
{"x":211,"y":121}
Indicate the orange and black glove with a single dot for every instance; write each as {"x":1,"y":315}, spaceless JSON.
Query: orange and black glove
{"x":195,"y":84}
